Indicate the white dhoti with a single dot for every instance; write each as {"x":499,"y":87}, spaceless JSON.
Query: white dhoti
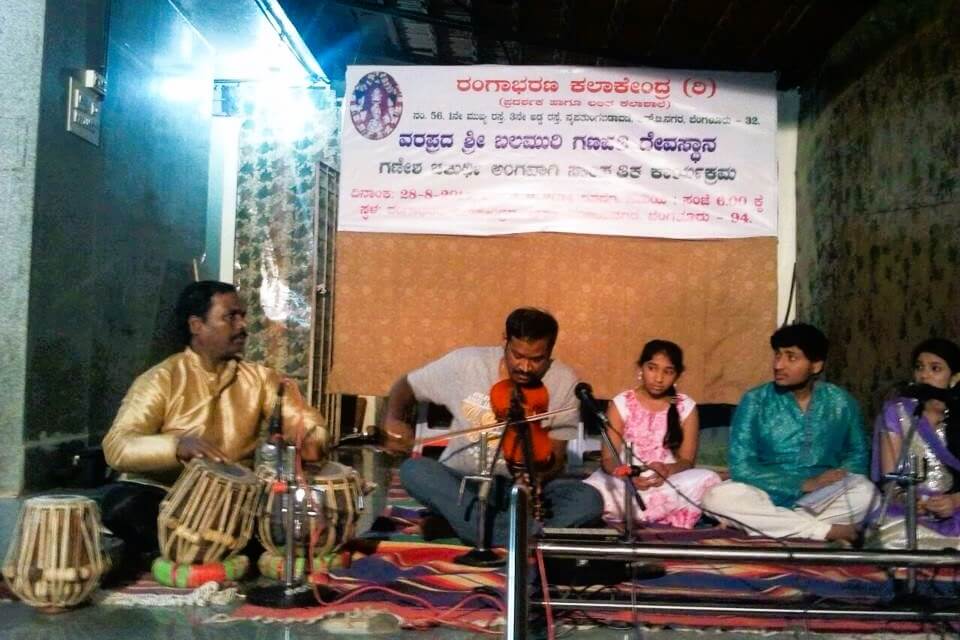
{"x":847,"y":501}
{"x":675,"y":504}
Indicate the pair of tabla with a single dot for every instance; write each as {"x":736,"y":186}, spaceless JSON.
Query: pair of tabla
{"x":209,"y":513}
{"x":56,"y":558}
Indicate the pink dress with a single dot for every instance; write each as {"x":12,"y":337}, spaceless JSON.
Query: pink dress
{"x":645,"y":429}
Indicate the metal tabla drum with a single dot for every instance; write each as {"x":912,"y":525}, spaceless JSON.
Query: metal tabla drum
{"x":56,"y":557}
{"x":209,"y":513}
{"x":325,"y":511}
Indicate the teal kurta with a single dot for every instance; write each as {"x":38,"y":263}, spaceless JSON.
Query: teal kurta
{"x":774,"y":446}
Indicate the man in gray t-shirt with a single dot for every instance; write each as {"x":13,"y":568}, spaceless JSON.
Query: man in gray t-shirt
{"x":461,"y":381}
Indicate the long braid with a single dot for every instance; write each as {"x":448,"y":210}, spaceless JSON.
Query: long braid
{"x":673,"y":438}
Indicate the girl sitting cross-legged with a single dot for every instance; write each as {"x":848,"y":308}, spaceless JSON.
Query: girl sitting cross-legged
{"x":662,"y":427}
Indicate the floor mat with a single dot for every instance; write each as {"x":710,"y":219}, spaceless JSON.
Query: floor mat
{"x":416,"y":582}
{"x":393,"y":570}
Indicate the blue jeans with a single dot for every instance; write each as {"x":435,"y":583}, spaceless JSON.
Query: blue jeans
{"x":570,"y":503}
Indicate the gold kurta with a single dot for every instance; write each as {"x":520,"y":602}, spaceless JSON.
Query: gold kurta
{"x":180,"y":397}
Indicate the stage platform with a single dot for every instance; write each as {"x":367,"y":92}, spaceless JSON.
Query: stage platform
{"x":397,"y":585}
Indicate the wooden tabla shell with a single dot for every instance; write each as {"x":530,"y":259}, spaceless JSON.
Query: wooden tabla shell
{"x":56,"y":557}
{"x":336,"y":492}
{"x":208,"y":514}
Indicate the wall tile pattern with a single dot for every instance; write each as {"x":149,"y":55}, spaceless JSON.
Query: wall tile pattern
{"x":276,"y":204}
{"x":878,"y":190}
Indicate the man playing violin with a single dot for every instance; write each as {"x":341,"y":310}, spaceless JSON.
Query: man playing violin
{"x":461,"y":381}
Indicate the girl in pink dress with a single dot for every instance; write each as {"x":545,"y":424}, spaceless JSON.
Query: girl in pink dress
{"x":662,"y":426}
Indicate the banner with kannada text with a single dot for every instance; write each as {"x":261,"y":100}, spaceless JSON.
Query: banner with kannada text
{"x":491,"y":150}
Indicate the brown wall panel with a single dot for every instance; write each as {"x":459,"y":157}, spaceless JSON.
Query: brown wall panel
{"x":402,"y":300}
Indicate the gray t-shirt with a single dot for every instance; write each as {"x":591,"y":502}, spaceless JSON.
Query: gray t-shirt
{"x":461,"y":381}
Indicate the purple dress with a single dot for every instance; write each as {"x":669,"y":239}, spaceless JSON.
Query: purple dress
{"x":930,"y":445}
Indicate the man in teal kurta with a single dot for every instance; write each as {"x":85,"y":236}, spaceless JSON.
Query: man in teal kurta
{"x":798,"y":454}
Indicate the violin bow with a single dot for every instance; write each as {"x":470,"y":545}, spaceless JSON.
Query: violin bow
{"x":490,"y":427}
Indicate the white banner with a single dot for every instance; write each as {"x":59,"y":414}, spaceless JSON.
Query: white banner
{"x":489,"y":150}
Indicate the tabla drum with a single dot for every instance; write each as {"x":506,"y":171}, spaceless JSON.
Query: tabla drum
{"x":325,"y":511}
{"x":56,"y":557}
{"x":209,"y":513}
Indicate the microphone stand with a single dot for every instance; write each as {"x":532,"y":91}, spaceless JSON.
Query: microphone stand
{"x":481,"y":555}
{"x":907,"y":474}
{"x":294,"y":591}
{"x":631,"y":496}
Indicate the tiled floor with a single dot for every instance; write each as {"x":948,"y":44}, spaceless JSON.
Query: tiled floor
{"x":98,"y":622}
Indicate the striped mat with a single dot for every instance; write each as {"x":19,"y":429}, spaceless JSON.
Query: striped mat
{"x":394,"y":571}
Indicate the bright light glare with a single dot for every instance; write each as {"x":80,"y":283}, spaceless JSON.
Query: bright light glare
{"x":265,"y":57}
{"x":188,"y":87}
{"x":287,"y":109}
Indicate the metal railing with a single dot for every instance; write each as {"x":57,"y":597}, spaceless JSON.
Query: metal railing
{"x":519,"y":600}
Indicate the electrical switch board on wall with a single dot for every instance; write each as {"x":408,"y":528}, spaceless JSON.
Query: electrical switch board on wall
{"x":85,"y":91}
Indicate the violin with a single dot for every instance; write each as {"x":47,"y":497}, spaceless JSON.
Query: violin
{"x":514,"y":404}
{"x":526,"y":445}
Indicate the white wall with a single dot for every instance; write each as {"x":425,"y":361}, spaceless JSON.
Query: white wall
{"x":788,"y":107}
{"x":21,"y":40}
{"x":222,"y":200}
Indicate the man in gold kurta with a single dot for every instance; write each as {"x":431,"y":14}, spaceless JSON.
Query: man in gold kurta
{"x":203,"y":402}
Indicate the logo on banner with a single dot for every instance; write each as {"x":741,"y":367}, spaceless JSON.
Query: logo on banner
{"x":376,"y":105}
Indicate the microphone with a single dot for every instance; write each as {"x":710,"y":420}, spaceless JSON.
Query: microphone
{"x":268,"y":458}
{"x":584,"y":392}
{"x":924,"y":392}
{"x":275,"y":426}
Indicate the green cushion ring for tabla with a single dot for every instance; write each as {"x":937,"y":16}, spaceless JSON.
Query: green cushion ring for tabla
{"x":190,"y":576}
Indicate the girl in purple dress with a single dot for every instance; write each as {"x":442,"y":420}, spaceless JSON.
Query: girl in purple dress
{"x":662,"y":427}
{"x":936,"y":445}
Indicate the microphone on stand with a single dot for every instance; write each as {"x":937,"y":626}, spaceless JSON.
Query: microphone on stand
{"x":275,"y":427}
{"x":584,"y":393}
{"x":268,"y":460}
{"x":291,"y":508}
{"x":923,"y":392}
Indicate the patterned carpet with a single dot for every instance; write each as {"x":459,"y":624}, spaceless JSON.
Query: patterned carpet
{"x":392,"y":565}
{"x":391,"y":571}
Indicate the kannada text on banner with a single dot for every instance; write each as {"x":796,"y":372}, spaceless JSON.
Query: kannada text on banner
{"x":490,"y":150}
